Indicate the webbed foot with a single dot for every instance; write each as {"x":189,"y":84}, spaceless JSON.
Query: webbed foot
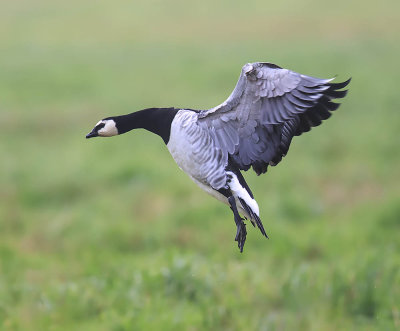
{"x":241,"y":234}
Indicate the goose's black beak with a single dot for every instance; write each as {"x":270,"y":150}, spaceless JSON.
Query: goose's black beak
{"x":91,"y":134}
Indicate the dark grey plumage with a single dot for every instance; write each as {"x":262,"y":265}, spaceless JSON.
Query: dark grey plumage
{"x":269,"y":106}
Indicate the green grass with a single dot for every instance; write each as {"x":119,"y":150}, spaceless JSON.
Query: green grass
{"x":109,"y":234}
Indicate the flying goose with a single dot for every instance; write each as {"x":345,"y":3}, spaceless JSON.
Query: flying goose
{"x":252,"y":128}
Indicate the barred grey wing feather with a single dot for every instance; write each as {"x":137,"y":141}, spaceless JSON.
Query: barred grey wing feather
{"x":268,"y":106}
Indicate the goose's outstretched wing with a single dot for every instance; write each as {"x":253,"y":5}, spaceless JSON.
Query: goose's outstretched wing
{"x":268,"y":106}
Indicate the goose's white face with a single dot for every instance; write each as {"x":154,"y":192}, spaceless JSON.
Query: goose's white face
{"x":104,"y":128}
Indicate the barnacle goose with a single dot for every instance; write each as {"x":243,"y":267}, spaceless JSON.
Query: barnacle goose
{"x":252,"y":128}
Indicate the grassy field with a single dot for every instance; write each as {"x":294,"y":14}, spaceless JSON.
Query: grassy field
{"x":108,"y":234}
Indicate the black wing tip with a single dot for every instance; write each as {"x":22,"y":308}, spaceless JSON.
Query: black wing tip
{"x":335,"y":94}
{"x":260,"y":167}
{"x":335,"y":89}
{"x":332,"y":106}
{"x":338,"y":86}
{"x":270,"y":65}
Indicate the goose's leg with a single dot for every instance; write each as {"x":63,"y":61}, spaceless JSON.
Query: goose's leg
{"x":241,"y":227}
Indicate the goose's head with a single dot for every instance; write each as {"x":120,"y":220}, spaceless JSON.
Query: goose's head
{"x":104,"y":128}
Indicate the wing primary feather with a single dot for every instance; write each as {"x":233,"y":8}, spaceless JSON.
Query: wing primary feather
{"x":291,"y":108}
{"x":336,"y":94}
{"x":305,"y":96}
{"x":313,"y":90}
{"x":332,"y":106}
{"x":312,"y":82}
{"x":338,"y":86}
{"x":322,"y":111}
{"x":299,"y":102}
{"x":312,"y":115}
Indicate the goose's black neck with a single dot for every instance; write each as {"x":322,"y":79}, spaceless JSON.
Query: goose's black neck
{"x":156,"y":120}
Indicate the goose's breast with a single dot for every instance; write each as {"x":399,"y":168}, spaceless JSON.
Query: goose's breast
{"x":180,"y":143}
{"x":194,"y":151}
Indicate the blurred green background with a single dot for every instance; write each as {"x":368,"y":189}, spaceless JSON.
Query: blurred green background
{"x":108,"y":234}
